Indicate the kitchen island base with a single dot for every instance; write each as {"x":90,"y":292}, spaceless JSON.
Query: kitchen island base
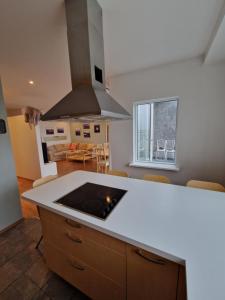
{"x":107,"y":268}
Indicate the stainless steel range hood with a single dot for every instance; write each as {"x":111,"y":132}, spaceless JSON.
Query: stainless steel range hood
{"x":88,"y":99}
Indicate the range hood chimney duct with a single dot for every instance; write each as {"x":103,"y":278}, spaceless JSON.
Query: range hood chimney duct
{"x":88,"y":99}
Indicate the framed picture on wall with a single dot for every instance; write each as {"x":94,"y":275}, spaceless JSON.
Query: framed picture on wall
{"x":96,"y":128}
{"x":77,"y":132}
{"x":86,"y":126}
{"x":60,"y":130}
{"x":87,"y":134}
{"x":49,"y":131}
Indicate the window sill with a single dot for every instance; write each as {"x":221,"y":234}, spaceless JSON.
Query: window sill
{"x":160,"y":166}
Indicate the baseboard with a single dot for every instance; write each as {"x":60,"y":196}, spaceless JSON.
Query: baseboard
{"x":11,"y":226}
{"x":28,"y":179}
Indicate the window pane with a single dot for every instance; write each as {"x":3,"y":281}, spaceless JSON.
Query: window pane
{"x":164,"y":131}
{"x":143,"y":132}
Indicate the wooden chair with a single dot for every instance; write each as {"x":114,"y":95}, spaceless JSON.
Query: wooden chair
{"x":156,"y":178}
{"x":106,"y":149}
{"x":170,"y":149}
{"x":43,"y":180}
{"x":102,"y":159}
{"x":37,"y":183}
{"x":206,"y":185}
{"x":118,"y":173}
{"x":161,"y":148}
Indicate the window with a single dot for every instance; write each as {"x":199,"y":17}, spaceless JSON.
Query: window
{"x":155,"y":124}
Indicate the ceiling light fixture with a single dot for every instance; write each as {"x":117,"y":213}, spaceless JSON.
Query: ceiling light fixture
{"x":31,"y":82}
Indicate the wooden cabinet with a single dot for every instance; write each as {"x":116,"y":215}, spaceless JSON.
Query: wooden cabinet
{"x":150,"y":277}
{"x":181,"y":288}
{"x":106,"y":268}
{"x":83,"y":276}
{"x":93,"y":262}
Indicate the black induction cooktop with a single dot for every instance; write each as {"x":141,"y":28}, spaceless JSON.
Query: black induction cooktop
{"x":93,"y":199}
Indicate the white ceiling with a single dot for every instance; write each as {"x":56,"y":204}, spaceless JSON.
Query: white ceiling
{"x":216,"y":49}
{"x":33,"y":46}
{"x":137,"y":34}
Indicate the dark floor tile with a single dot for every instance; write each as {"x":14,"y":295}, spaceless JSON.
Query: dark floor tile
{"x":23,"y":288}
{"x":23,"y":272}
{"x":27,"y":288}
{"x":10,"y":294}
{"x":28,"y":224}
{"x":58,"y":289}
{"x":8,"y":274}
{"x":12,"y":242}
{"x":41,"y":247}
{"x":15,"y":236}
{"x":9,"y":248}
{"x":35,"y":235}
{"x":39,"y":273}
{"x":6,"y":251}
{"x":12,"y":233}
{"x":79,"y":296}
{"x":25,"y":259}
{"x":31,"y":228}
{"x":41,"y":296}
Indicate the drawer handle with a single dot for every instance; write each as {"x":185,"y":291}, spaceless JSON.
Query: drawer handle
{"x":72,"y":223}
{"x":75,"y":265}
{"x":73,"y":238}
{"x":154,"y":261}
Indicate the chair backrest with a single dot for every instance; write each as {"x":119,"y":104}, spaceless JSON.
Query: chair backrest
{"x":118,"y":173}
{"x":43,"y":180}
{"x":206,"y":185}
{"x":170,"y":145}
{"x":161,"y":144}
{"x":100,"y":153}
{"x":156,"y":178}
{"x":106,"y":148}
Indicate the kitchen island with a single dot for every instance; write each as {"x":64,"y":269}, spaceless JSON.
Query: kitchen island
{"x":179,"y":225}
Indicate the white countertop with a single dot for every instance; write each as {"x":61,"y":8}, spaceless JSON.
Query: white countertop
{"x":182,"y":224}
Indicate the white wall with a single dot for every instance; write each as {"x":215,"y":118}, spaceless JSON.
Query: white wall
{"x":95,"y":138}
{"x":45,"y":169}
{"x":10,"y":210}
{"x":201,"y":117}
{"x":25,"y":150}
{"x":69,"y":133}
{"x":57,"y":138}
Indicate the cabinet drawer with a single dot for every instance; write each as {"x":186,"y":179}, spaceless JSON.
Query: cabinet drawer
{"x":86,"y":232}
{"x":87,"y":279}
{"x":150,"y":276}
{"x":110,"y":263}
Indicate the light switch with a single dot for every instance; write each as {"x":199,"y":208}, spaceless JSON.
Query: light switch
{"x":2,"y":126}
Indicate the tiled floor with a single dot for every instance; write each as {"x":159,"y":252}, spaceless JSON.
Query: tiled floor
{"x":23,"y":272}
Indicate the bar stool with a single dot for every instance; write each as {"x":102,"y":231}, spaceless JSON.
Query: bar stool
{"x":118,"y":173}
{"x":206,"y":185}
{"x":156,"y":178}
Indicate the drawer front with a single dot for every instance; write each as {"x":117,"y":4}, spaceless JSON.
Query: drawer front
{"x":91,"y":234}
{"x":77,"y":242}
{"x":150,"y":276}
{"x":87,"y":279}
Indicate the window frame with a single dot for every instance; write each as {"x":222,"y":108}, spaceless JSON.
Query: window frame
{"x":152,"y":164}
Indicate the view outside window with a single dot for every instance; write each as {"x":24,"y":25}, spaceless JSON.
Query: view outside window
{"x":155,"y":131}
{"x":143,"y":132}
